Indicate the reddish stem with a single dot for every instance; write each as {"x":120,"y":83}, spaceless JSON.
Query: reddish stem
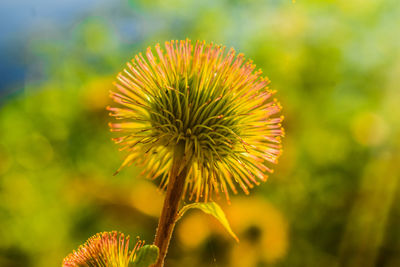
{"x":169,"y":212}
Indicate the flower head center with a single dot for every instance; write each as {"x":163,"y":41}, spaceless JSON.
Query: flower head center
{"x":204,"y":121}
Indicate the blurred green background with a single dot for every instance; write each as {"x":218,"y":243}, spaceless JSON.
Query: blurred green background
{"x":334,"y":197}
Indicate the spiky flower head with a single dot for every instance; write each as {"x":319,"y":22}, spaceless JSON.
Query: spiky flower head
{"x":107,"y":249}
{"x":207,"y":99}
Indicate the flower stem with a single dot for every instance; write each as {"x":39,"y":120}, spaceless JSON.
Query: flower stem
{"x":169,"y":212}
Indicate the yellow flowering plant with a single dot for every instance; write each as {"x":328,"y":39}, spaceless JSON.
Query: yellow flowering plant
{"x":200,"y":119}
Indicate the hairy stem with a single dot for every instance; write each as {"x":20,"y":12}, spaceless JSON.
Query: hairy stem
{"x":169,"y":212}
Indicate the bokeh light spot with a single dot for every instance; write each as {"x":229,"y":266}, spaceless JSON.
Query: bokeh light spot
{"x":369,"y":129}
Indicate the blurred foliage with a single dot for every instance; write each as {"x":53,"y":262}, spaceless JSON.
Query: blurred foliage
{"x":334,"y":197}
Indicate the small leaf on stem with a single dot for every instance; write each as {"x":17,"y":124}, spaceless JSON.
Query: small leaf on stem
{"x":213,"y":209}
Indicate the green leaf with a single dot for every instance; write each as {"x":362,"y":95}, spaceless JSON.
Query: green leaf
{"x":213,"y":209}
{"x":146,"y":256}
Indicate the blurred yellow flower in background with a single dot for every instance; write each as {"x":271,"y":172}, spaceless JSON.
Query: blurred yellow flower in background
{"x":193,"y":230}
{"x":262,"y":229}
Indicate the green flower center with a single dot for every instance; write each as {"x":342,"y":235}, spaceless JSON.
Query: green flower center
{"x":201,"y":119}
